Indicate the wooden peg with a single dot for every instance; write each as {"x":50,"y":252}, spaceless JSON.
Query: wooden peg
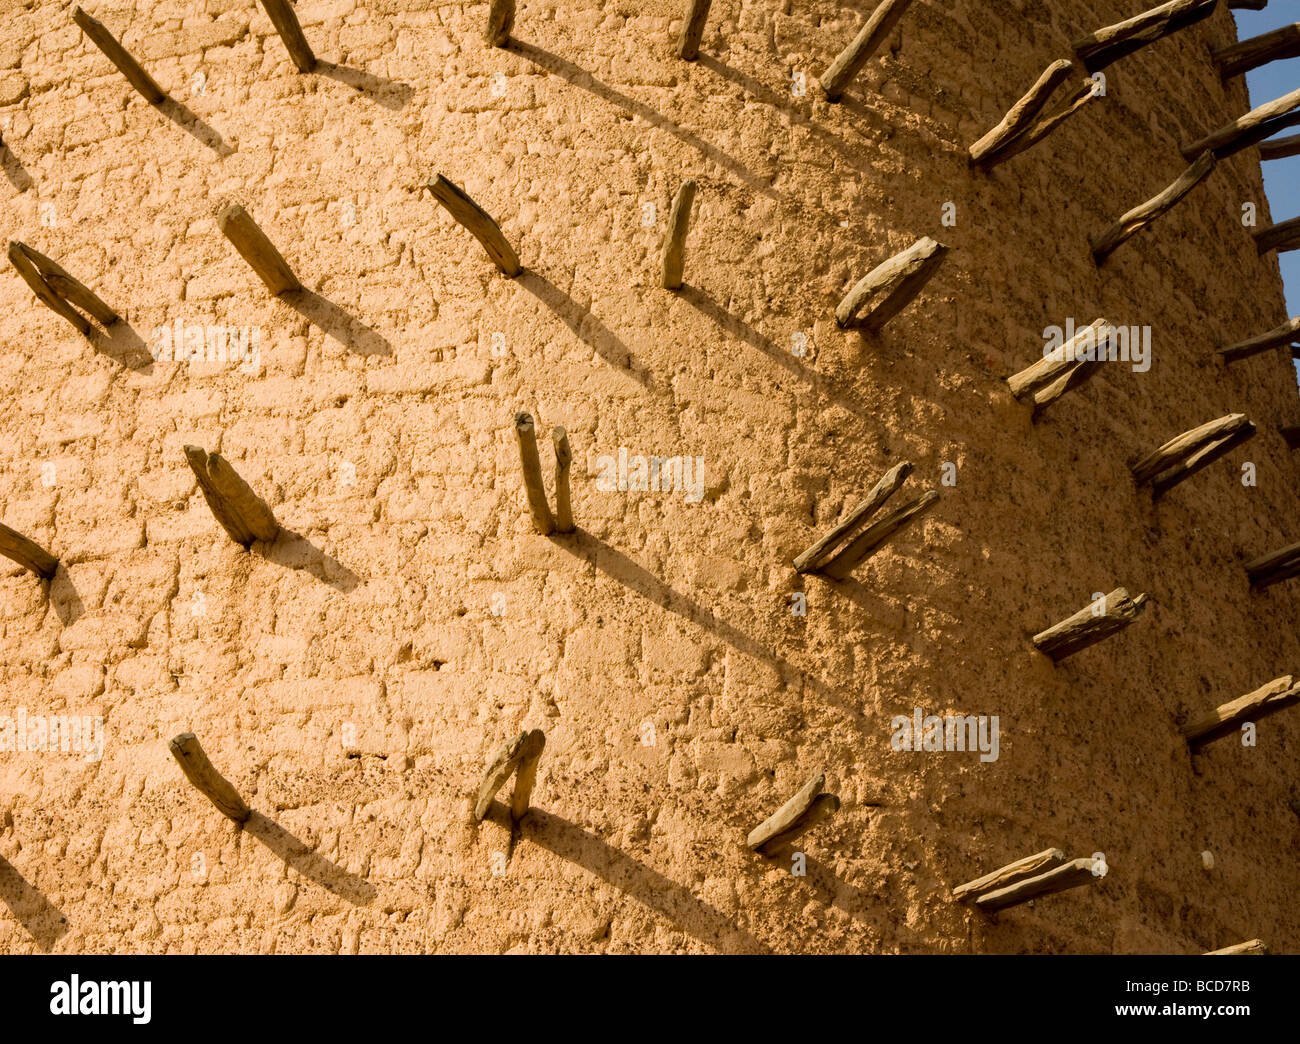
{"x":1275,"y":567}
{"x":563,"y":502}
{"x":476,"y":220}
{"x":119,"y":56}
{"x":1252,"y":947}
{"x":1021,"y":115}
{"x":1098,"y":50}
{"x":797,"y":816}
{"x":1181,"y":457}
{"x":27,"y":553}
{"x":1287,"y":333}
{"x":1029,"y":866}
{"x":256,"y":249}
{"x":520,"y":755}
{"x":241,"y":512}
{"x":1068,"y":875}
{"x":874,"y":537}
{"x":1245,"y":131}
{"x":1283,"y":236}
{"x":895,"y":282}
{"x":1279,"y":148}
{"x":501,"y":19}
{"x":697,"y":13}
{"x":844,"y":70}
{"x":679,"y":222}
{"x":880,"y":492}
{"x":1043,"y":125}
{"x":532,"y":469}
{"x":1088,"y":626}
{"x":286,"y":24}
{"x":211,"y":783}
{"x":57,"y":290}
{"x":1250,"y":54}
{"x":1228,"y":718}
{"x":1064,"y":368}
{"x":1143,"y":214}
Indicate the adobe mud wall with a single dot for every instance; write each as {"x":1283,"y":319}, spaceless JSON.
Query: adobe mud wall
{"x":352,"y":680}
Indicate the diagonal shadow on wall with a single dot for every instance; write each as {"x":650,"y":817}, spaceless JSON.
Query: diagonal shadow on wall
{"x":391,"y":94}
{"x":294,"y":551}
{"x":302,"y":857}
{"x":348,"y":330}
{"x":188,"y":121}
{"x":38,"y":915}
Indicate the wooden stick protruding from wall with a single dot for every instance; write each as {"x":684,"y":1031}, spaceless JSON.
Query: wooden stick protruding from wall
{"x":1021,"y":869}
{"x":885,"y":488}
{"x":1091,"y":624}
{"x":1273,"y":568}
{"x":1065,"y":367}
{"x":211,"y":783}
{"x":1279,"y":148}
{"x":1245,"y":131}
{"x":458,"y":204}
{"x":1072,"y":874}
{"x":1184,"y":455}
{"x":518,"y":757}
{"x":893,"y":283}
{"x":679,"y":223}
{"x":1250,"y":948}
{"x":1228,"y":718}
{"x":120,"y":57}
{"x":880,"y":23}
{"x":1283,"y":236}
{"x":501,"y":20}
{"x":1024,"y":125}
{"x":1145,"y":213}
{"x":796,"y":817}
{"x":286,"y":25}
{"x":531,"y":465}
{"x":563,"y":500}
{"x":1250,"y":54}
{"x":697,"y":14}
{"x":255,"y":248}
{"x":242,"y":513}
{"x":27,"y":553}
{"x":57,"y":290}
{"x":1287,"y":333}
{"x":1105,"y":46}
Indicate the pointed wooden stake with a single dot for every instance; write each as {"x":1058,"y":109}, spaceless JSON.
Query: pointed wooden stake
{"x":1066,"y":367}
{"x":1252,"y":947}
{"x":1283,"y":236}
{"x":1029,"y":866}
{"x":1143,"y":214}
{"x":1279,"y":148}
{"x":797,"y":816}
{"x":256,"y":249}
{"x":697,"y":13}
{"x":501,"y":19}
{"x":286,"y":24}
{"x":1245,"y":131}
{"x":211,"y":783}
{"x":476,"y":220}
{"x":844,"y":70}
{"x":1287,"y":333}
{"x":1098,"y":50}
{"x":520,"y":755}
{"x":1273,"y":568}
{"x":1089,"y":626}
{"x":896,"y":281}
{"x":1228,"y":718}
{"x":563,"y":503}
{"x":242,"y":513}
{"x":532,"y":469}
{"x":27,"y":553}
{"x":880,"y":492}
{"x":679,"y":222}
{"x":1258,"y":50}
{"x":874,"y":537}
{"x":57,"y":290}
{"x":1181,"y":457}
{"x":118,"y":55}
{"x":1068,"y":875}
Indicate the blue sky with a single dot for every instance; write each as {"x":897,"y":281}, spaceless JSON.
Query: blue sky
{"x":1281,"y":177}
